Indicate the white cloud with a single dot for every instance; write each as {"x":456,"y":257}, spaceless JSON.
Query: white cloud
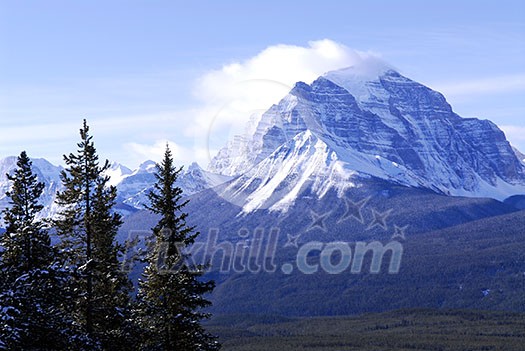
{"x":233,"y":94}
{"x":283,"y":64}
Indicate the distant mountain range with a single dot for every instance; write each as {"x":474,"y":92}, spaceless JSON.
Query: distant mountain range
{"x":362,"y":154}
{"x":132,"y":186}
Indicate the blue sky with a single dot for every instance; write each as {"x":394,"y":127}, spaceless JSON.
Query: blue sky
{"x":147,"y":72}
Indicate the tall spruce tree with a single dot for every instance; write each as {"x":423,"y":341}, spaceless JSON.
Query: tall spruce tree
{"x":170,"y":297}
{"x":31,"y":281}
{"x":87,"y":226}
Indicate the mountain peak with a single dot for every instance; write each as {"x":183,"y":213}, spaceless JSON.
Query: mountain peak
{"x":120,"y":167}
{"x":117,"y":172}
{"x":7,"y":162}
{"x":378,"y":123}
{"x":146,"y":167}
{"x":194,"y":166}
{"x":369,"y":69}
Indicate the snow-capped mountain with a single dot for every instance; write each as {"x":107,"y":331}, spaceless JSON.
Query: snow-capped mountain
{"x":133,"y":188}
{"x":46,"y":173}
{"x":362,"y":121}
{"x":194,"y":179}
{"x":117,"y":173}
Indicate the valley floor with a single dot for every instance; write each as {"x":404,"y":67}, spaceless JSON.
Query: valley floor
{"x":398,"y":330}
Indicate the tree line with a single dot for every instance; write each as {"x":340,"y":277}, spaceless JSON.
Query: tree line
{"x":71,"y":293}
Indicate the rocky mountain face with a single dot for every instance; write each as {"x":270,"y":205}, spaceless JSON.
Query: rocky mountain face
{"x":365,"y":121}
{"x":519,"y":155}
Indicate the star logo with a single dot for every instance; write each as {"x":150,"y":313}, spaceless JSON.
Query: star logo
{"x":318,"y":221}
{"x":399,"y":232}
{"x":379,"y":219}
{"x":353,"y":210}
{"x":292,"y":240}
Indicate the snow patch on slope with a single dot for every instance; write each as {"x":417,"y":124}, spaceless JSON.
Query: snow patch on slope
{"x":117,"y":173}
{"x":276,"y":182}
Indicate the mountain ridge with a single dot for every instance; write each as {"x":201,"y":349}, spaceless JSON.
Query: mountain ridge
{"x":132,"y":185}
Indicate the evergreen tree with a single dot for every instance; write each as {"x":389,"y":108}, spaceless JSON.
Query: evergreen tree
{"x":87,"y":226}
{"x":31,"y":282}
{"x":170,"y":295}
{"x":29,"y":244}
